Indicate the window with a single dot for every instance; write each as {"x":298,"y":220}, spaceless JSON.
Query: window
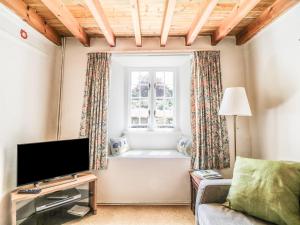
{"x":152,"y":98}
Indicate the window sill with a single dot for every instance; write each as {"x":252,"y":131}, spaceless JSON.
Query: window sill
{"x":153,"y":131}
{"x":154,"y":154}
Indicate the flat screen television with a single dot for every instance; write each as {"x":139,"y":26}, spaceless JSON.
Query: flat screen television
{"x":46,"y":160}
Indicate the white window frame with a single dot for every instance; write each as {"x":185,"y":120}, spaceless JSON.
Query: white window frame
{"x":152,"y":71}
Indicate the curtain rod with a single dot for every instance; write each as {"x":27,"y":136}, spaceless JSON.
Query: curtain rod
{"x":156,"y":52}
{"x":152,"y":54}
{"x":160,"y":51}
{"x":61,"y":80}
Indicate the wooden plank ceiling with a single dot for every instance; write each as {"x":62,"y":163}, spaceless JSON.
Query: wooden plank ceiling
{"x":111,"y":19}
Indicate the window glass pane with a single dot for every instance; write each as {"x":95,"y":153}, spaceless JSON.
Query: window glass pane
{"x":169,"y":121}
{"x":159,"y":111}
{"x":144,"y":78}
{"x":135,"y":88}
{"x":134,"y":121}
{"x":159,"y":84}
{"x":144,"y":112}
{"x":169,"y":104}
{"x":134,"y":79}
{"x":169,"y":84}
{"x":169,"y":111}
{"x":159,"y":78}
{"x":159,"y":103}
{"x":169,"y":91}
{"x":144,"y":91}
{"x":144,"y":106}
{"x":164,"y":113}
{"x":135,"y":91}
{"x":144,"y":120}
{"x":159,"y":91}
{"x":135,"y":112}
{"x":139,"y":84}
{"x":159,"y":121}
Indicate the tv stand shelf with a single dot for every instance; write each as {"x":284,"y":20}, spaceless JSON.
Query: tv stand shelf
{"x":82,"y":179}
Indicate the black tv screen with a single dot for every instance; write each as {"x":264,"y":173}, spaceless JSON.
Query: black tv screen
{"x":45,"y":160}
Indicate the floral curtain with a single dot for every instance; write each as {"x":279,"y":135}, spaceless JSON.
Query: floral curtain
{"x":94,"y":109}
{"x":210,"y":148}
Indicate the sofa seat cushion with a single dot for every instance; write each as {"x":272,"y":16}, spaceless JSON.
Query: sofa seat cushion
{"x":212,"y":214}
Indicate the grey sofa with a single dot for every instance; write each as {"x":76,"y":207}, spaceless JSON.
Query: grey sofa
{"x":210,"y":211}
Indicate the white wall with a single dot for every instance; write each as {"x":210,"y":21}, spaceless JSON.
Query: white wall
{"x":145,"y":180}
{"x":117,"y":105}
{"x":232,"y":66}
{"x":273,"y":77}
{"x":183,"y":98}
{"x":28,"y":102}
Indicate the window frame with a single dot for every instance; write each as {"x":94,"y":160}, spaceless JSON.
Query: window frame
{"x":152,"y":71}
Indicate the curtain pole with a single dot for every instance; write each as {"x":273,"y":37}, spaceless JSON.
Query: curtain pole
{"x":61,"y":80}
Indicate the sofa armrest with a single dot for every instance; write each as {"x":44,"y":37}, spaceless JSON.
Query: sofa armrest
{"x":213,"y":191}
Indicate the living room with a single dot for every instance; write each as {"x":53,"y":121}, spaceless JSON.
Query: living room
{"x":156,"y":95}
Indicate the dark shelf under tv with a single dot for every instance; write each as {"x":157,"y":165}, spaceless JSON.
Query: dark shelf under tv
{"x":56,"y":215}
{"x":52,"y":216}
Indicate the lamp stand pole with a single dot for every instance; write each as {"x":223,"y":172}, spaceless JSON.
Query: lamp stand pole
{"x":234,"y":133}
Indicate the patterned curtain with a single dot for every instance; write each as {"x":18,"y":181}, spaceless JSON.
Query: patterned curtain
{"x":94,"y":109}
{"x":210,"y":148}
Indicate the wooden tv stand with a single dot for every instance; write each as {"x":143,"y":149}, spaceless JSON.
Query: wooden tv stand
{"x":81,"y":179}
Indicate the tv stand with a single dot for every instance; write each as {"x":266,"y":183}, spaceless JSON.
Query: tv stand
{"x":58,"y":185}
{"x":55,"y":182}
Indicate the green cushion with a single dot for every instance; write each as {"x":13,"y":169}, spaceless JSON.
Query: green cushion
{"x":268,"y":190}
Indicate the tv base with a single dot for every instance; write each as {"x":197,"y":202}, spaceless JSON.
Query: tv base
{"x":56,"y":182}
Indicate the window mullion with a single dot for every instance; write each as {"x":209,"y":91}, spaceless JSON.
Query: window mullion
{"x":164,"y":100}
{"x":151,"y":100}
{"x":129,"y":99}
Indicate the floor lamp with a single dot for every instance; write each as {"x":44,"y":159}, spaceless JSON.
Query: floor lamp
{"x":235,"y":103}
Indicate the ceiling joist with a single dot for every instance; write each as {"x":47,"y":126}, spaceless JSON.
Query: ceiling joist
{"x":136,"y":22}
{"x":206,"y":8}
{"x":271,"y":13}
{"x":185,"y":18}
{"x":99,"y":15}
{"x":30,"y":16}
{"x":58,"y":8}
{"x":169,"y":11}
{"x":240,"y":10}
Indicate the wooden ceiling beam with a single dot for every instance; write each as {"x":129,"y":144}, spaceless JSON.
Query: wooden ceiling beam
{"x":136,"y":22}
{"x":271,"y":13}
{"x":58,"y":8}
{"x":169,"y":12}
{"x":30,"y":16}
{"x":206,"y":8}
{"x":99,"y":15}
{"x":239,"y":11}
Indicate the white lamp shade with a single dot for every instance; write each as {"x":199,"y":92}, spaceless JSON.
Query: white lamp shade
{"x":235,"y":102}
